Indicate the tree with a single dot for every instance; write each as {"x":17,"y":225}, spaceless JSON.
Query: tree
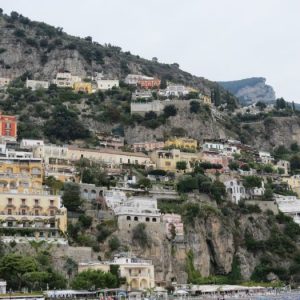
{"x":170,"y":111}
{"x":268,"y":168}
{"x":64,"y":125}
{"x":218,"y":190}
{"x":295,"y":147}
{"x":71,"y":196}
{"x":151,"y":115}
{"x":181,"y":165}
{"x":144,"y":182}
{"x":86,"y":221}
{"x":71,"y":267}
{"x":233,"y":165}
{"x":140,"y":236}
{"x":14,"y":266}
{"x":252,"y":182}
{"x":187,"y":184}
{"x":54,"y":184}
{"x":114,"y":243}
{"x":268,"y":195}
{"x":295,"y":163}
{"x":92,"y":279}
{"x":261,"y":105}
{"x":195,"y":107}
{"x":216,"y":96}
{"x":280,"y":104}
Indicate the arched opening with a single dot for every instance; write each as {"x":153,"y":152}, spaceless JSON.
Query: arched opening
{"x":135,"y":218}
{"x":128,"y":218}
{"x":147,"y":219}
{"x":154,"y":220}
{"x":93,"y":195}
{"x":134,"y":284}
{"x":144,"y":284}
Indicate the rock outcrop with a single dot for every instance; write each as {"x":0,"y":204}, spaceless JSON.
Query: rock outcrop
{"x":250,"y":90}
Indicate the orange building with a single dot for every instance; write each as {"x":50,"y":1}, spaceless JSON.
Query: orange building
{"x":8,"y":127}
{"x":149,"y":83}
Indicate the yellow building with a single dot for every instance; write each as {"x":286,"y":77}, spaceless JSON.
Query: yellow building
{"x":21,"y":174}
{"x":32,"y":215}
{"x":85,"y":87}
{"x":167,"y":159}
{"x":181,"y":143}
{"x":205,"y":99}
{"x":294,"y":183}
{"x":139,"y":273}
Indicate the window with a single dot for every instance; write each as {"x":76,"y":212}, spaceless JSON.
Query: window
{"x":23,"y":212}
{"x":36,"y":212}
{"x":51,"y":212}
{"x":9,"y":211}
{"x":51,"y":202}
{"x":9,"y":200}
{"x":36,"y":202}
{"x":136,"y":219}
{"x":129,"y":160}
{"x":147,"y":219}
{"x":128,"y":218}
{"x":167,"y":163}
{"x":153,"y":219}
{"x":23,"y":201}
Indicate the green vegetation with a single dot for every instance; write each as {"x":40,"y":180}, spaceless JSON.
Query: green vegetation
{"x":140,"y":236}
{"x":71,"y":196}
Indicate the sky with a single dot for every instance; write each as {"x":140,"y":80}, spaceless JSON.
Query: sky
{"x":220,"y":40}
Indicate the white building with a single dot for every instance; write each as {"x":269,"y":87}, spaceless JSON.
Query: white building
{"x":141,"y":95}
{"x":139,"y":273}
{"x":235,"y":190}
{"x":107,"y":84}
{"x":142,"y":108}
{"x":30,"y":144}
{"x":66,"y":79}
{"x":4,"y":81}
{"x":47,"y":151}
{"x":114,"y":198}
{"x":213,"y":146}
{"x":289,"y":205}
{"x":2,"y":286}
{"x":37,"y":84}
{"x":265,"y":157}
{"x":174,"y":90}
{"x":6,"y":153}
{"x":138,"y":209}
{"x":133,"y":79}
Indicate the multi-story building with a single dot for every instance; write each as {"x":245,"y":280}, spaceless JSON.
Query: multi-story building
{"x":110,"y":157}
{"x":30,"y":144}
{"x":147,"y":146}
{"x":91,"y":192}
{"x":110,"y":141}
{"x":181,"y":143}
{"x":138,"y":209}
{"x":107,"y":84}
{"x":215,"y":158}
{"x":141,"y":95}
{"x":205,"y":99}
{"x":265,"y":157}
{"x":48,"y":151}
{"x":139,"y":273}
{"x":235,"y":190}
{"x":149,"y":83}
{"x":174,"y":90}
{"x":283,"y":165}
{"x":167,"y":159}
{"x":133,"y":79}
{"x":213,"y":146}
{"x":85,"y":87}
{"x":8,"y":127}
{"x":34,"y":215}
{"x":289,"y":205}
{"x":114,"y":198}
{"x":142,"y":108}
{"x":4,"y":81}
{"x":21,"y":175}
{"x":66,"y":79}
{"x":37,"y":84}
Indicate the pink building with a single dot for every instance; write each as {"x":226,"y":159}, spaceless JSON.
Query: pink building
{"x":147,"y":146}
{"x":215,"y":158}
{"x":173,"y":220}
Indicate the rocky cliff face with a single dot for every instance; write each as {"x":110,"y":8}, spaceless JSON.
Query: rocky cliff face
{"x":250,"y":90}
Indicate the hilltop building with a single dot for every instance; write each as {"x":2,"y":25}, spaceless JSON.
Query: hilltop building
{"x":84,"y":87}
{"x":8,"y":127}
{"x":65,"y":79}
{"x":37,"y":84}
{"x":107,"y":84}
{"x":141,"y":108}
{"x":4,"y":81}
{"x":235,"y":190}
{"x":133,"y":79}
{"x":147,"y":146}
{"x":149,"y":83}
{"x":182,"y":143}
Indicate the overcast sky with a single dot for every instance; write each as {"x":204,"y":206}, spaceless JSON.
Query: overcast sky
{"x":216,"y":39}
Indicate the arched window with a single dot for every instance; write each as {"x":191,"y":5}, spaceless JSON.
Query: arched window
{"x":153,"y":219}
{"x":136,"y":219}
{"x":128,"y":218}
{"x":147,"y":219}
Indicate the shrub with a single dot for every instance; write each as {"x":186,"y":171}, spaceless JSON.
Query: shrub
{"x":114,"y":243}
{"x":140,"y":236}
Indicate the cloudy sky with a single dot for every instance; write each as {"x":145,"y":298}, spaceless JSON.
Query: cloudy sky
{"x":217,"y":39}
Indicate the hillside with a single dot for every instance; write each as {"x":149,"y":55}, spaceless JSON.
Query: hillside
{"x":250,"y":90}
{"x":42,"y":50}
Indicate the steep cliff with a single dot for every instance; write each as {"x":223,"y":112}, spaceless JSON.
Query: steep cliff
{"x":250,"y":90}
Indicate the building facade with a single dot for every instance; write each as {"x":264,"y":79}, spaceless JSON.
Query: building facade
{"x":4,"y":81}
{"x":149,"y":83}
{"x":8,"y":127}
{"x":147,"y":146}
{"x":182,"y":143}
{"x":37,"y":84}
{"x":139,"y":273}
{"x":65,"y":79}
{"x":107,"y":84}
{"x":235,"y":190}
{"x":156,"y":106}
{"x":84,"y":87}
